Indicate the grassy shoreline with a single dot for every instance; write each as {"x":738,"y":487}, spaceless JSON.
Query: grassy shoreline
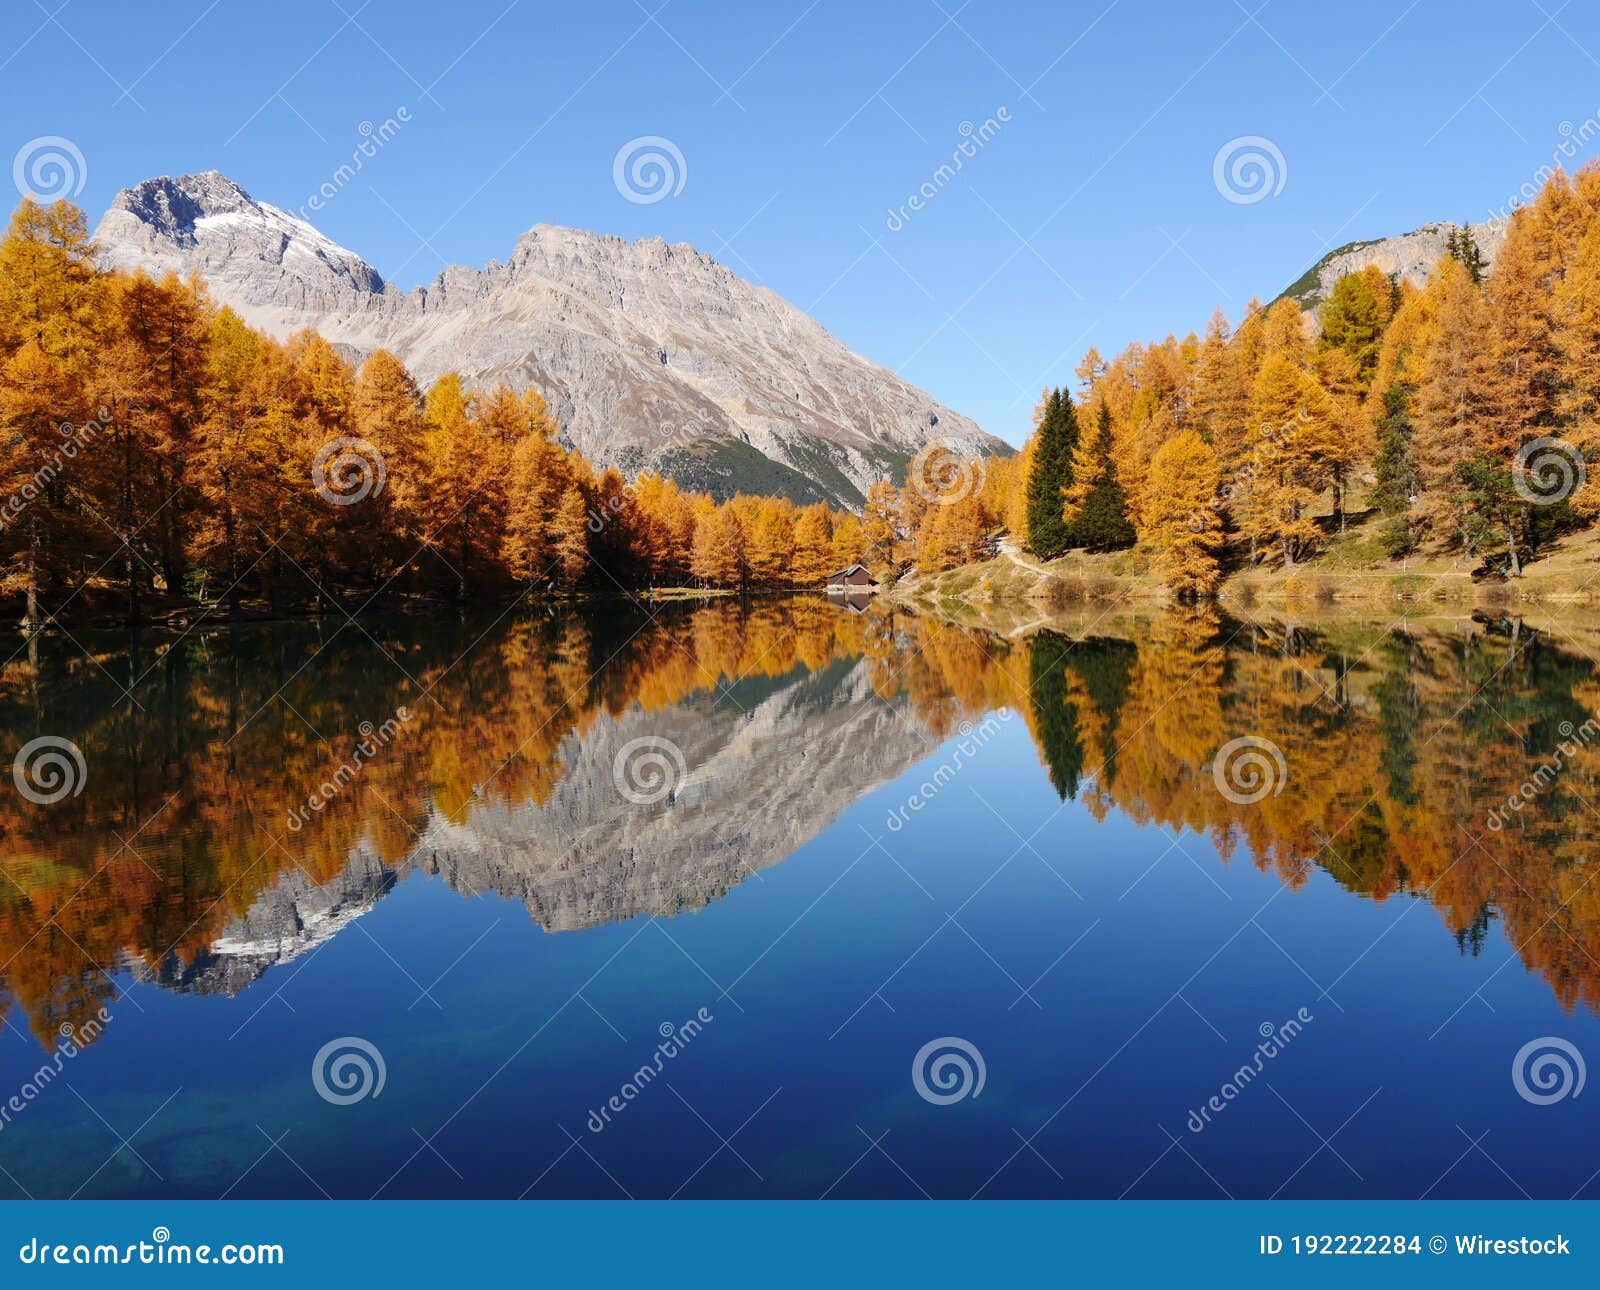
{"x":1350,"y":575}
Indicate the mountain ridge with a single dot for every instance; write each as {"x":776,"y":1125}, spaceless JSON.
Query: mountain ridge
{"x":1410,"y":255}
{"x":650,"y":354}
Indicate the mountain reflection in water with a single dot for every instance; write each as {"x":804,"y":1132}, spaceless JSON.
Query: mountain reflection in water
{"x":183,"y":859}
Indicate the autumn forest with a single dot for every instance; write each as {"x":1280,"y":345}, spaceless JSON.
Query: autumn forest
{"x":158,"y":451}
{"x":1459,"y":416}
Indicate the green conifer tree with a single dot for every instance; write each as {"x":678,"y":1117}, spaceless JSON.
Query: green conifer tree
{"x":1102,"y":523}
{"x":1397,"y":481}
{"x":1050,"y":476}
{"x":1055,"y":721}
{"x":1462,"y":246}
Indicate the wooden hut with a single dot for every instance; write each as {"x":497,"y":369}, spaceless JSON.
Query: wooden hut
{"x":855,"y":577}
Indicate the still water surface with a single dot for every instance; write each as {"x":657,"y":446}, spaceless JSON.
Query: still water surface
{"x":810,"y":842}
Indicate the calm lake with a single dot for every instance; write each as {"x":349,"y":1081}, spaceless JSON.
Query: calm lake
{"x":789,"y":900}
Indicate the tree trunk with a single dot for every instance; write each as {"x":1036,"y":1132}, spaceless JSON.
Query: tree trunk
{"x":33,"y":575}
{"x":231,"y":594}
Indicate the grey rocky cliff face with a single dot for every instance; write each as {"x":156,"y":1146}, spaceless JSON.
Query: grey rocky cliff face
{"x":291,"y":918}
{"x":1411,"y":256}
{"x":650,"y":355}
{"x":760,"y":783}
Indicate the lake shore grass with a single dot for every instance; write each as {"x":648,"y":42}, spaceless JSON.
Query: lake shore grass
{"x":1351,"y":575}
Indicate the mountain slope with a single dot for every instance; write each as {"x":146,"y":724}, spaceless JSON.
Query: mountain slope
{"x":1410,"y":255}
{"x":765,"y":781}
{"x":650,"y":355}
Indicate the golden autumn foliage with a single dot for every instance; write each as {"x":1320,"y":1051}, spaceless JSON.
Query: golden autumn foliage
{"x":1421,"y":401}
{"x":158,"y":451}
{"x":1177,"y":512}
{"x":1381,"y":772}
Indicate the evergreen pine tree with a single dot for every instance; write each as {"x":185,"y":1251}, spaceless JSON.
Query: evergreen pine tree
{"x":1050,"y":475}
{"x":1055,"y":721}
{"x":1463,"y":247}
{"x":1101,"y":522}
{"x":1396,"y":477}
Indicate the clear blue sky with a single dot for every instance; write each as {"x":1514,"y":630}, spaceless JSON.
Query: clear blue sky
{"x":1091,"y":216}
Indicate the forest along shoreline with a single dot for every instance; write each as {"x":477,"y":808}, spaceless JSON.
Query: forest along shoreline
{"x":1399,"y":445}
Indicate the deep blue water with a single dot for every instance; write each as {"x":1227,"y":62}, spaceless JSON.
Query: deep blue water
{"x":1113,"y":975}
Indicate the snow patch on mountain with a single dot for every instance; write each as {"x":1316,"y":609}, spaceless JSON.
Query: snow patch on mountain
{"x":651,"y":355}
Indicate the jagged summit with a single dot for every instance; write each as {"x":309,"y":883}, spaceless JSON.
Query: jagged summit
{"x":172,"y":223}
{"x":651,"y":354}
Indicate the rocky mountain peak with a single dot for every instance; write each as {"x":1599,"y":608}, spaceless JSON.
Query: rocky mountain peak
{"x":206,"y":221}
{"x":651,"y":354}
